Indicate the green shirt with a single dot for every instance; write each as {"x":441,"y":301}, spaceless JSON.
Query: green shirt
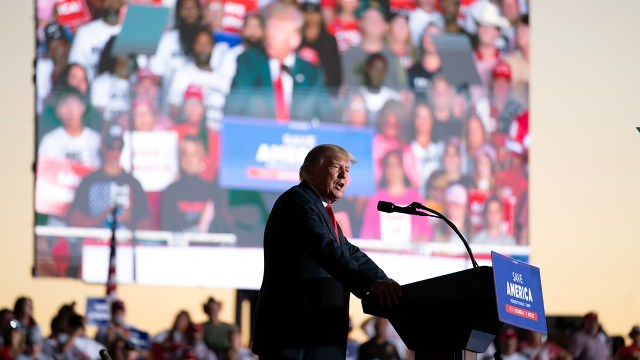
{"x":217,"y":336}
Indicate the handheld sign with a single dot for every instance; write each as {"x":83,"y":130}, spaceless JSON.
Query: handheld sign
{"x":519,"y":293}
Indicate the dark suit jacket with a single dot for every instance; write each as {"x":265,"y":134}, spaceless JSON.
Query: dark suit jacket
{"x":252,"y":89}
{"x":304,"y":298}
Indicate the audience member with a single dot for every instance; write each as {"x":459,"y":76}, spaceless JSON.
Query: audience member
{"x":354,"y":112}
{"x":166,"y":344}
{"x":111,"y":89}
{"x":374,"y":29}
{"x":493,"y":231}
{"x":589,"y":342}
{"x":13,"y":341}
{"x":117,"y":327}
{"x":375,"y":93}
{"x":474,"y":136}
{"x":455,"y":209}
{"x":394,"y":187}
{"x":441,"y":97}
{"x":279,"y":84}
{"x":378,"y":348}
{"x":91,"y":37}
{"x":107,"y":187}
{"x":435,"y":190}
{"x":216,"y":332}
{"x":452,"y":164}
{"x":537,"y":347}
{"x":146,"y":85}
{"x":631,"y":351}
{"x":53,"y":64}
{"x":196,"y":348}
{"x":391,"y":134}
{"x":190,"y":203}
{"x":519,"y":62}
{"x":144,"y":116}
{"x":198,"y":71}
{"x":484,"y":168}
{"x":399,"y":40}
{"x":319,"y":47}
{"x":237,"y":351}
{"x":508,"y":345}
{"x":23,"y":312}
{"x":423,"y":155}
{"x":346,"y":25}
{"x":6,"y":316}
{"x":422,"y":16}
{"x":353,"y":346}
{"x":500,"y":108}
{"x":421,"y":74}
{"x":252,"y":34}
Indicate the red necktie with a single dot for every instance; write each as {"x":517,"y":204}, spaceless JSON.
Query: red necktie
{"x":333,"y":220}
{"x":282,"y":110}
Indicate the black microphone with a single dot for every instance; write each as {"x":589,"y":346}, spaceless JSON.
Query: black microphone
{"x":104,"y":355}
{"x":388,"y":207}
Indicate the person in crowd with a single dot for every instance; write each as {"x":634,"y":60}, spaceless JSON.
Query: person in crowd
{"x":123,"y":349}
{"x":435,"y":190}
{"x":395,"y":187}
{"x":111,"y":89}
{"x":252,"y":34}
{"x":198,"y":71}
{"x":319,"y":47}
{"x":512,"y":12}
{"x":117,"y":327}
{"x":52,"y":65}
{"x":391,"y":134}
{"x":346,"y":25}
{"x":474,"y":136}
{"x":631,"y":351}
{"x":190,"y":203}
{"x":216,"y":331}
{"x":278,"y":83}
{"x":92,"y":37}
{"x":107,"y":187}
{"x":72,"y":141}
{"x":537,"y":347}
{"x":518,"y":60}
{"x":237,"y":351}
{"x":500,"y":108}
{"x":484,"y":168}
{"x":441,"y":97}
{"x":291,"y":320}
{"x":355,"y":112}
{"x":452,"y":164}
{"x":511,"y":179}
{"x":145,"y":117}
{"x":424,"y":14}
{"x":176,"y":45}
{"x":423,"y":155}
{"x":165,"y":344}
{"x":196,"y":347}
{"x":423,"y":71}
{"x":375,"y":93}
{"x":6,"y":316}
{"x":399,"y":40}
{"x":146,"y":85}
{"x":75,"y":344}
{"x":451,"y":15}
{"x":193,"y":123}
{"x":508,"y":345}
{"x":23,"y":312}
{"x":13,"y":341}
{"x":589,"y":342}
{"x":490,"y":23}
{"x":493,"y":220}
{"x":378,"y":347}
{"x":455,"y":209}
{"x":374,"y":29}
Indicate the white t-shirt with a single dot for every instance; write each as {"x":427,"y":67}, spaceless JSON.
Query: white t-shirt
{"x":169,"y":57}
{"x":214,"y":85}
{"x":427,"y":161}
{"x":375,"y":102}
{"x":228,"y":64}
{"x":88,"y":44}
{"x":44,"y":69}
{"x":112,"y":94}
{"x":83,"y":149}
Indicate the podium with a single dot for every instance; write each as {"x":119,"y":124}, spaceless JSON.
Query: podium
{"x":440,"y":318}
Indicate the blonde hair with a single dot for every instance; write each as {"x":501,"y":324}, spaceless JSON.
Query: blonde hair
{"x":284,"y":11}
{"x":320,"y":154}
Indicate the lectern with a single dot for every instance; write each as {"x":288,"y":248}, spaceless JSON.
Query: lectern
{"x":441,"y":317}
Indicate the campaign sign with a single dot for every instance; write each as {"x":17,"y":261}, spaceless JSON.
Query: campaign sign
{"x":519,"y":293}
{"x":98,"y":312}
{"x":263,"y":155}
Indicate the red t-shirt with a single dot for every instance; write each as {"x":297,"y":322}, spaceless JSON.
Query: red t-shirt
{"x":347,"y":33}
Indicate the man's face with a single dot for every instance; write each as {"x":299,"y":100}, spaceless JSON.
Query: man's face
{"x":191,"y":155}
{"x":202,"y":48}
{"x":487,"y":35}
{"x":494,"y":215}
{"x":253,"y":31}
{"x":450,"y":9}
{"x":330,"y":178}
{"x":70,"y":112}
{"x":375,"y":73}
{"x":282,"y":36}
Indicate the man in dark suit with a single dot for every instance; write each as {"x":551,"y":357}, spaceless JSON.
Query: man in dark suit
{"x":273,"y":82}
{"x":309,"y":267}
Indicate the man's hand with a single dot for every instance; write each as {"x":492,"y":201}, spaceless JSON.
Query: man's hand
{"x":388,"y":292}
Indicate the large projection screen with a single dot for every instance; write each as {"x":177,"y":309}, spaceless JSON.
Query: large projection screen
{"x":187,"y":137}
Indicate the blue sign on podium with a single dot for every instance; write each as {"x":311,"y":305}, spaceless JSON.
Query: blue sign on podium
{"x":518,"y":293}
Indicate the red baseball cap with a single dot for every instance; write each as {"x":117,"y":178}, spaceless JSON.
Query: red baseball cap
{"x":501,"y":70}
{"x":194,"y":92}
{"x":508,"y":333}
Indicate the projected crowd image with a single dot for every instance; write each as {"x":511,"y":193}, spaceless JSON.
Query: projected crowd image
{"x":187,"y":118}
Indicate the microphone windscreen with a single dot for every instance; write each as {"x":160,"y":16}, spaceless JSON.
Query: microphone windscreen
{"x":385,"y":206}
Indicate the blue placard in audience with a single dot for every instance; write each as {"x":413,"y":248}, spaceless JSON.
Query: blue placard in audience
{"x":519,"y":293}
{"x":98,"y":312}
{"x":263,"y":155}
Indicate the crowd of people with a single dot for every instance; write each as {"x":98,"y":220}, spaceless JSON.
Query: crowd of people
{"x":144,"y":131}
{"x":23,"y":338}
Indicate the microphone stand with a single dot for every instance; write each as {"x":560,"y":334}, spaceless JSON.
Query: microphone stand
{"x":416,"y":205}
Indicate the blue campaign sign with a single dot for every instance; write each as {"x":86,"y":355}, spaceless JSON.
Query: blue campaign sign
{"x":98,"y":313}
{"x":519,"y":293}
{"x":263,"y":155}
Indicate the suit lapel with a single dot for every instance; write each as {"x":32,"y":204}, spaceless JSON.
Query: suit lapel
{"x":317,"y":202}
